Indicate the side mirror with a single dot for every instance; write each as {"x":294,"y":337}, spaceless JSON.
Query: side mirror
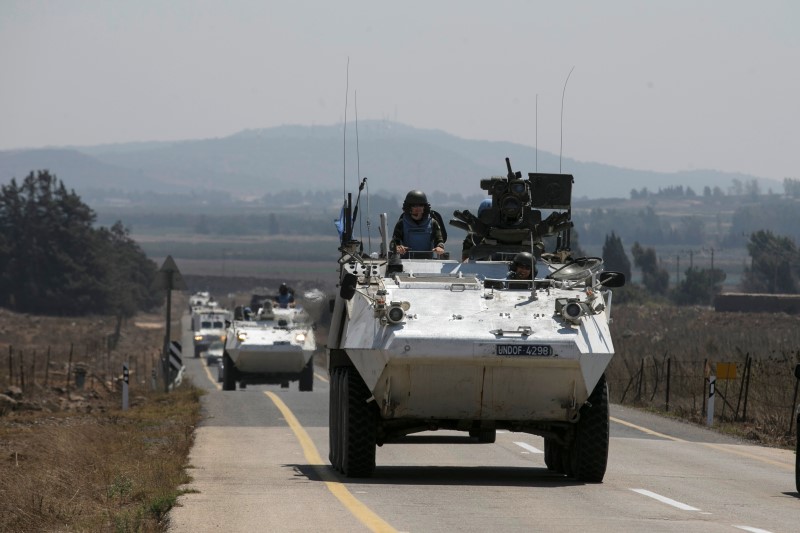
{"x":348,"y":288}
{"x":797,"y":371}
{"x":227,"y":324}
{"x":611,"y":279}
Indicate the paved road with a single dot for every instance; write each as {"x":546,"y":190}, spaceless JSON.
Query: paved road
{"x":260,"y":464}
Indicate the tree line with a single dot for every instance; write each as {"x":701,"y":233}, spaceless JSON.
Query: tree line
{"x":774,"y":269}
{"x":54,"y":261}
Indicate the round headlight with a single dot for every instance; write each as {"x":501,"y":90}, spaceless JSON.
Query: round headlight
{"x":300,"y":337}
{"x":241,"y":335}
{"x":395,"y":314}
{"x":573,"y":311}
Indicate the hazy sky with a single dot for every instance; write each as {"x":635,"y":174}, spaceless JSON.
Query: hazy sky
{"x":672,"y":85}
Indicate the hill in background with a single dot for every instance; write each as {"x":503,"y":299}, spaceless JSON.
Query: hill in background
{"x":394,"y":157}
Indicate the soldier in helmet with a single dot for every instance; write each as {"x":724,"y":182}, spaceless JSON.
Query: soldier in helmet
{"x":417,"y":229}
{"x":522,"y":267}
{"x":470,"y":239}
{"x":285,"y":297}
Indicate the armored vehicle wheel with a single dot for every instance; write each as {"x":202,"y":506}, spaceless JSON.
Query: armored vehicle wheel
{"x":228,"y":373}
{"x":358,"y":426}
{"x":590,"y":450}
{"x":307,"y":376}
{"x":548,"y":454}
{"x":333,"y":420}
{"x":486,"y":436}
{"x":797,"y":458}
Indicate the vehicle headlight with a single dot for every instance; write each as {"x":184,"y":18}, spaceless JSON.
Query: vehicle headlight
{"x":241,"y":335}
{"x":395,"y":314}
{"x":571,"y":309}
{"x":198,"y":337}
{"x":300,"y":337}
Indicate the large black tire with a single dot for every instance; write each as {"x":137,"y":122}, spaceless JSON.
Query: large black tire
{"x":228,"y":373}
{"x":358,"y":425}
{"x":797,"y":458}
{"x":589,"y":452}
{"x":307,"y":376}
{"x":334,"y":417}
{"x":484,"y":436}
{"x":549,"y":460}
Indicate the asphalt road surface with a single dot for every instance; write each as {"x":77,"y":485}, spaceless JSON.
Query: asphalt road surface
{"x":259,"y":463}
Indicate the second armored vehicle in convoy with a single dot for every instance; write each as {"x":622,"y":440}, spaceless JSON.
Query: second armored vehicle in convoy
{"x":272,"y":346}
{"x":431,"y":343}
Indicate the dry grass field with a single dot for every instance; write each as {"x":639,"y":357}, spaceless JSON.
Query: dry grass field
{"x":685,"y":343}
{"x":72,"y":459}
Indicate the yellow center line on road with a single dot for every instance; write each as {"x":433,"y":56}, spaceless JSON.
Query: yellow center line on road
{"x":645,"y":430}
{"x":211,"y":378}
{"x":717,"y":447}
{"x":363,"y":513}
{"x":321,"y":377}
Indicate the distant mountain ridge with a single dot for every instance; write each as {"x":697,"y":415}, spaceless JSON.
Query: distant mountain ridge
{"x":394,"y":157}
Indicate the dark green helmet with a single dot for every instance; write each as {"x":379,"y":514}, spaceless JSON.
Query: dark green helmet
{"x":524,"y":259}
{"x":416,"y":198}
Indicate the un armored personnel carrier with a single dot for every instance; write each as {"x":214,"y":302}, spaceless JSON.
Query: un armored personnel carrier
{"x":271,"y":346}
{"x":427,"y":344}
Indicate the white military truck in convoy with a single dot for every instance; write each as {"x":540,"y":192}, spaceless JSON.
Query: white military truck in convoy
{"x":430,"y":343}
{"x":270,"y":346}
{"x":208,"y":325}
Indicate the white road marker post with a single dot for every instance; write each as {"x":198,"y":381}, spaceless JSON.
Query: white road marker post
{"x":712,"y":388}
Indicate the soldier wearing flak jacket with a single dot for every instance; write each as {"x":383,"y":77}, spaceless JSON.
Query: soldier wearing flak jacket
{"x":417,"y":230}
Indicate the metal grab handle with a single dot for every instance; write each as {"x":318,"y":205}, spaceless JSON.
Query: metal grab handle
{"x":523,"y":331}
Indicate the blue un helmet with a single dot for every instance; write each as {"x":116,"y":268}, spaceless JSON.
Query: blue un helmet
{"x":484,"y":205}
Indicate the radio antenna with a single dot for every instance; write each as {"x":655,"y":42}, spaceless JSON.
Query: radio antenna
{"x":536,"y":129}
{"x":344,"y":139}
{"x":561,"y":147}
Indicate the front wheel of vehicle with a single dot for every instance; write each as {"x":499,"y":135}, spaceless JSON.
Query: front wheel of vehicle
{"x":228,"y":373}
{"x":307,"y":376}
{"x":590,"y":450}
{"x":358,"y":425}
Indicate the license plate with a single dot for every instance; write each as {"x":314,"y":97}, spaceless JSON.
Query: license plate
{"x":540,"y":350}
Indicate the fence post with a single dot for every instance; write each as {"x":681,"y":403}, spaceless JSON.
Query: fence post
{"x":69,"y":366}
{"x":641,"y":379}
{"x":741,"y":388}
{"x":669,"y":372}
{"x":748,"y":370}
{"x":10,"y":365}
{"x":705,"y":379}
{"x":47,"y":367}
{"x":22,"y":370}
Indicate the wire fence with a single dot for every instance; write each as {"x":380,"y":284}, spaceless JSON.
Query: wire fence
{"x":72,"y":368}
{"x":755,"y":390}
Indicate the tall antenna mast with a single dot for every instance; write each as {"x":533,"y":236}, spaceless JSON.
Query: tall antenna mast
{"x":344,"y":139}
{"x":561,"y":147}
{"x":536,"y":139}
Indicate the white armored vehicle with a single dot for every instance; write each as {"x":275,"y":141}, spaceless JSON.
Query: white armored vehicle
{"x":427,"y":344}
{"x":208,"y":326}
{"x":271,"y":346}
